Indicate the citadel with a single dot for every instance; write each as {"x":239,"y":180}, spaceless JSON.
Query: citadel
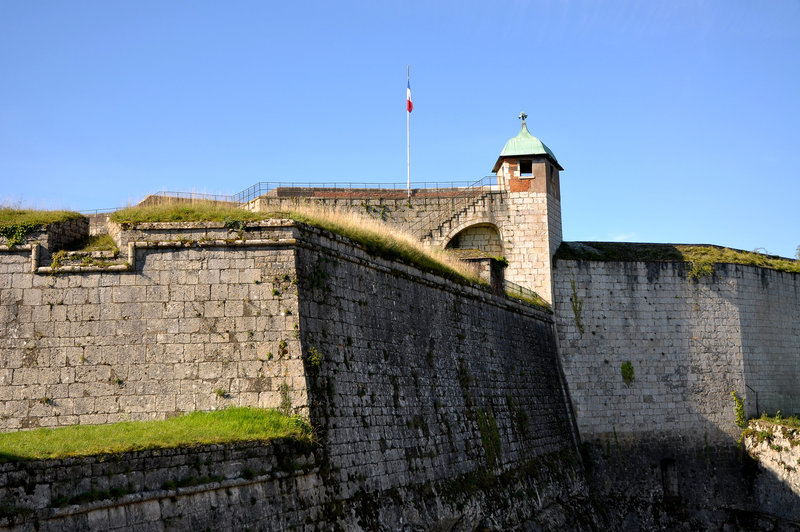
{"x":438,"y":404}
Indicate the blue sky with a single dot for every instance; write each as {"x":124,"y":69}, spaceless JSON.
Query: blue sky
{"x":675,"y":121}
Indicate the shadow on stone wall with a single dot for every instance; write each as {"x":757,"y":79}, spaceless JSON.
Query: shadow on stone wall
{"x":667,"y":482}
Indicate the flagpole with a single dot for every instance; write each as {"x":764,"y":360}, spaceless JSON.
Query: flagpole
{"x":408,"y":141}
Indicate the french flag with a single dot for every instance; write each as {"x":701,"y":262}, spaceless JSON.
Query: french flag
{"x":409,"y":104}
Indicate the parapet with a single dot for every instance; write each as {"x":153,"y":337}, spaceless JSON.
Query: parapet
{"x":50,"y":237}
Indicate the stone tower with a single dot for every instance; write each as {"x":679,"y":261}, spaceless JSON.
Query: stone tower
{"x":529,"y":172}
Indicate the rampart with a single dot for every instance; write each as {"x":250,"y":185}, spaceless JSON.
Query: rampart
{"x":652,"y":355}
{"x":100,"y":346}
{"x":690,"y":342}
{"x":524,"y":227}
{"x":436,"y":403}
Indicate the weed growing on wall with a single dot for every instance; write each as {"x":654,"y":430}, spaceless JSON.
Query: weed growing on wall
{"x":15,"y":233}
{"x":490,"y":437}
{"x":286,"y":400}
{"x":627,"y":372}
{"x":58,"y":260}
{"x":741,"y":418}
{"x":221,"y":393}
{"x":577,"y":306}
{"x":237,"y":225}
{"x":314,"y":357}
{"x":702,"y":267}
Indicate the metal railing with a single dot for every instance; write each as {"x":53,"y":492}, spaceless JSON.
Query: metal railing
{"x":437,"y":203}
{"x":520,"y":292}
{"x":262,"y":188}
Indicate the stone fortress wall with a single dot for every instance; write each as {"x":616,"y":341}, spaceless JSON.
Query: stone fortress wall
{"x":436,"y":403}
{"x":523,"y":227}
{"x":690,"y":343}
{"x":425,"y":392}
{"x":668,"y":435}
{"x":97,"y":347}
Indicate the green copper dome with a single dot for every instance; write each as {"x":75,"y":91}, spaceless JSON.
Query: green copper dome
{"x":525,"y":144}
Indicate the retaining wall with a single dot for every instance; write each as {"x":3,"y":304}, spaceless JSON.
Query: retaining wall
{"x":226,"y":487}
{"x":190,"y":328}
{"x":437,"y":404}
{"x":659,"y":437}
{"x":440,"y":386}
{"x":690,"y":343}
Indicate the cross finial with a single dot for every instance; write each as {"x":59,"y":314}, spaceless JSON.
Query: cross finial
{"x":522,"y":116}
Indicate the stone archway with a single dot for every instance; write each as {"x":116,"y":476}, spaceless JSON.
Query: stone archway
{"x":483,"y":236}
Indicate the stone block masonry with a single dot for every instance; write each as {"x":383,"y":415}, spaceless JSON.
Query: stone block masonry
{"x":524,"y":227}
{"x":651,"y":357}
{"x":436,"y":403}
{"x":690,"y":344}
{"x":226,"y":487}
{"x":192,"y":328}
{"x":439,"y":383}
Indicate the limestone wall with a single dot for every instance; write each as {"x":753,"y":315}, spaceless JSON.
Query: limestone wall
{"x":528,"y":223}
{"x":224,"y":487}
{"x":659,"y":439}
{"x":690,"y":344}
{"x":418,"y":215}
{"x":532,"y":235}
{"x":436,"y":383}
{"x":483,"y":237}
{"x":436,"y":404}
{"x":189,"y":329}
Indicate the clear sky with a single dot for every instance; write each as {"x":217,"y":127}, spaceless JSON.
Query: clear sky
{"x":675,"y":121}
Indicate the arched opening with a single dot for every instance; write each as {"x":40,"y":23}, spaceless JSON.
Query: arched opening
{"x":484,"y":237}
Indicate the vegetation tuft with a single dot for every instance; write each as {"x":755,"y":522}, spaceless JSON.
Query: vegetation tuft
{"x":778,"y":419}
{"x":222,"y":426}
{"x":626,"y":370}
{"x":702,"y":257}
{"x":94,"y":243}
{"x":738,"y":406}
{"x":533,"y":298}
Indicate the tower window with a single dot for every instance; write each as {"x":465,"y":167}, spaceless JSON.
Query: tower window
{"x":525,"y":167}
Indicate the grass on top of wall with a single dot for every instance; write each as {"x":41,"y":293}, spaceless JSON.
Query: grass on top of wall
{"x":12,"y":216}
{"x":385,"y":241}
{"x":183,"y":211}
{"x":701,"y":256}
{"x":378,"y":238}
{"x":233,"y":424}
{"x":15,"y":223}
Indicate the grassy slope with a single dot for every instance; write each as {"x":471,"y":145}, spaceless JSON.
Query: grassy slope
{"x":702,"y":256}
{"x":221,"y":426}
